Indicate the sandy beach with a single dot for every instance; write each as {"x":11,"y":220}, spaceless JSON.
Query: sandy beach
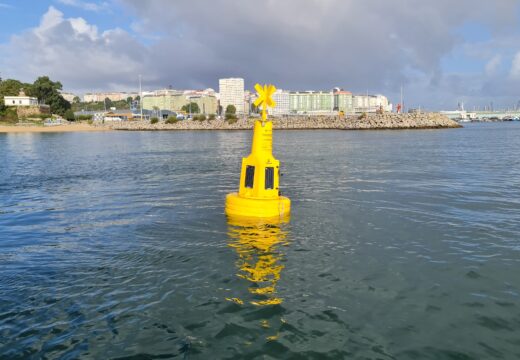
{"x":57,"y":128}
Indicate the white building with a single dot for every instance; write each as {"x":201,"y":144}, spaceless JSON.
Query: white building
{"x":20,"y":100}
{"x":113,"y":96}
{"x":232,"y":93}
{"x":249,"y":99}
{"x":281,"y":98}
{"x":68,"y":96}
{"x":370,"y":103}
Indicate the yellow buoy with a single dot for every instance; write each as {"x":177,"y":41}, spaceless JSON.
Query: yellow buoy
{"x":259,"y":194}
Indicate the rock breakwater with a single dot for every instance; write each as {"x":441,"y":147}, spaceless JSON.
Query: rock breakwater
{"x":368,"y":122}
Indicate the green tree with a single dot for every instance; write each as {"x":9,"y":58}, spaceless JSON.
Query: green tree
{"x":58,"y":104}
{"x":129,"y":100}
{"x":229,"y":116}
{"x":48,"y":92}
{"x":76,"y":100}
{"x":11,"y":87}
{"x":43,"y":88}
{"x":9,"y":115}
{"x":108,"y":103}
{"x":231,"y":109}
{"x":171,"y":120}
{"x":120,"y":104}
{"x":69,"y":115}
{"x":191,"y":108}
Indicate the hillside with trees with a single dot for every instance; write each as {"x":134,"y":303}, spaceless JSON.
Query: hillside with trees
{"x":43,"y":88}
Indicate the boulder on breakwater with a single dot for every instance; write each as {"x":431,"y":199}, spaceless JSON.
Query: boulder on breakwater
{"x":366,"y":122}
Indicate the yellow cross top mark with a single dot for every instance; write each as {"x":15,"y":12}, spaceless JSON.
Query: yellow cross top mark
{"x":265,"y":99}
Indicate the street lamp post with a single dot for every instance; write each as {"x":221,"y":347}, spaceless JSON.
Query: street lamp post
{"x":140,"y":97}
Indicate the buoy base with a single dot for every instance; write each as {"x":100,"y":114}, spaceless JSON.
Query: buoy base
{"x":262,"y":208}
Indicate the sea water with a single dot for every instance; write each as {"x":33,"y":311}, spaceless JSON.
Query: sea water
{"x":401,"y":245}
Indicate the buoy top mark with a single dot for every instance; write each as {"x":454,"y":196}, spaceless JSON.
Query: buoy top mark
{"x":265,"y":98}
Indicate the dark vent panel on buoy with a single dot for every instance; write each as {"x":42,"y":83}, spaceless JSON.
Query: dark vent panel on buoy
{"x":250,"y":176}
{"x":269,"y":178}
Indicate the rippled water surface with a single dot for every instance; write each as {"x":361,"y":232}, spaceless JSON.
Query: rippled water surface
{"x":401,"y":245}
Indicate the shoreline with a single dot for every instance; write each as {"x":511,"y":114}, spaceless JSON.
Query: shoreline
{"x":14,"y":129}
{"x":425,"y":121}
{"x":370,"y":122}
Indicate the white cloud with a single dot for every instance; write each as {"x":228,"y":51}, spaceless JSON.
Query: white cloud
{"x":515,"y":67}
{"x":85,"y":5}
{"x":302,"y":44}
{"x":81,"y":27}
{"x":5,"y":6}
{"x":50,"y":19}
{"x":493,"y":65}
{"x":72,"y":51}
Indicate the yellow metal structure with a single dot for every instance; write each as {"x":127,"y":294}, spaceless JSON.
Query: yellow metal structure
{"x":259,"y":194}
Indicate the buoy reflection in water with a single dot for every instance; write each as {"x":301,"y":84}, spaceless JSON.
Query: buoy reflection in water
{"x":257,"y":243}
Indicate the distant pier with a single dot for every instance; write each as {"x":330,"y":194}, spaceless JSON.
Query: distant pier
{"x":482,"y":115}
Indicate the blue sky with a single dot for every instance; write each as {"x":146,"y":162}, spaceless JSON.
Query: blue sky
{"x":20,"y":15}
{"x":442,"y":52}
{"x":457,"y":61}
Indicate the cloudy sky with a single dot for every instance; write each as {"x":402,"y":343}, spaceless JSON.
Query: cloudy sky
{"x":442,"y":52}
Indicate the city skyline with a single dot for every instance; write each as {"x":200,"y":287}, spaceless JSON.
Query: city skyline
{"x":441,"y":53}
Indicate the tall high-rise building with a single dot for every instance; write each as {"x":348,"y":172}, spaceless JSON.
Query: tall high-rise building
{"x":232,"y":93}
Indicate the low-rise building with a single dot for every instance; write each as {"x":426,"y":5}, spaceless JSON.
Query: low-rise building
{"x":113,"y":115}
{"x":68,"y":96}
{"x":113,"y":96}
{"x":26,"y":106}
{"x":249,"y":99}
{"x":371,"y":103}
{"x":118,"y":115}
{"x":311,"y":102}
{"x":207,"y":104}
{"x":20,"y":100}
{"x":343,"y":101}
{"x":282,"y":99}
{"x":327,"y":102}
{"x":174,"y":100}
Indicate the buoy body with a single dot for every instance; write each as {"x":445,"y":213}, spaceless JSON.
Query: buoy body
{"x":259,"y":193}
